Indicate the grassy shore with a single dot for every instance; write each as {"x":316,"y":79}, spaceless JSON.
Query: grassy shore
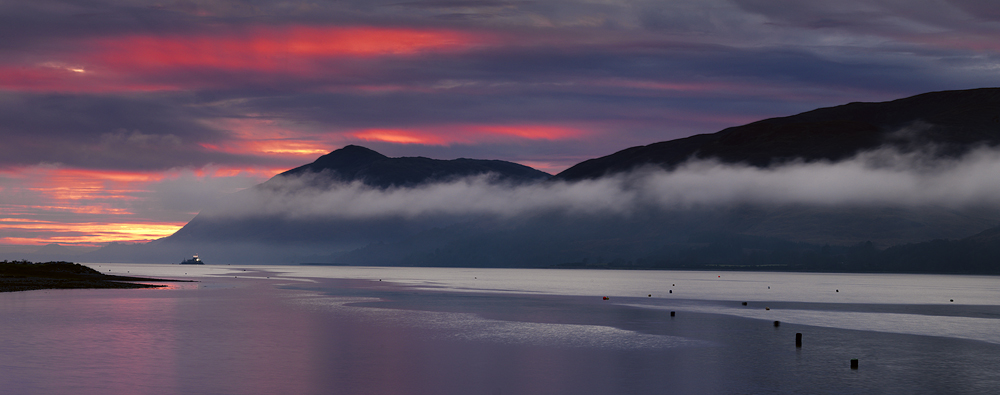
{"x":27,"y":276}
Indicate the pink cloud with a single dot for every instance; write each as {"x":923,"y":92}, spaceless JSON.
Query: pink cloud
{"x":469,"y":133}
{"x":166,"y":62}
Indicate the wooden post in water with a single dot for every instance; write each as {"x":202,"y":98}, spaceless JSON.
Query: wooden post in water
{"x":798,"y":340}
{"x":777,"y":323}
{"x":671,"y":313}
{"x":854,"y":364}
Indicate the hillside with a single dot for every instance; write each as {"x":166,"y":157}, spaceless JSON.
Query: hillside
{"x":951,"y":121}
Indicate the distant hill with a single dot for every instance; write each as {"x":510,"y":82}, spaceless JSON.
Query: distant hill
{"x":953,"y":121}
{"x":349,"y":164}
{"x":356,"y":163}
{"x":979,"y":253}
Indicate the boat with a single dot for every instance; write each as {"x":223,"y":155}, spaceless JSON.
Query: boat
{"x":193,"y":261}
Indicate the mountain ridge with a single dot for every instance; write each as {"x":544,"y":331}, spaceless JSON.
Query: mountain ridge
{"x":952,"y":121}
{"x":356,"y":163}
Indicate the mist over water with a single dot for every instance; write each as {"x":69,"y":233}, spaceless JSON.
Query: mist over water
{"x":883,"y":177}
{"x":885,"y":196}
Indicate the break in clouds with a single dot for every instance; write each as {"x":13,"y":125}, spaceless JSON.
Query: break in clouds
{"x":882,"y":178}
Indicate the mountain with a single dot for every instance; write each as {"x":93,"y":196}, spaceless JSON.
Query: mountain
{"x":356,"y":163}
{"x":255,"y":235}
{"x":950,"y":121}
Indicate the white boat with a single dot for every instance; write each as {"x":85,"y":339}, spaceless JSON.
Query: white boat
{"x":193,"y":261}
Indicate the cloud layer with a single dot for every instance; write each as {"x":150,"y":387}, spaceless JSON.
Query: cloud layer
{"x":883,"y":178}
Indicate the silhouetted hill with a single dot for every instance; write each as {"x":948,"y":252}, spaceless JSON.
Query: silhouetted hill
{"x":349,"y":164}
{"x":954,"y":121}
{"x":355,"y":163}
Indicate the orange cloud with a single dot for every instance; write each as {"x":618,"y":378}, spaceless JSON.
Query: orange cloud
{"x":469,"y":133}
{"x":79,"y":184}
{"x":93,"y":207}
{"x":268,"y":137}
{"x":216,"y":172}
{"x":401,"y":136}
{"x":85,"y":233}
{"x":289,"y":147}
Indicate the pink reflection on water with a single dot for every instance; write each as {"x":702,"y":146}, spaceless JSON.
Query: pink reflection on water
{"x":181,"y":340}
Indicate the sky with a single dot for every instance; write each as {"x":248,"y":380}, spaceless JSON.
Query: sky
{"x":121,"y":119}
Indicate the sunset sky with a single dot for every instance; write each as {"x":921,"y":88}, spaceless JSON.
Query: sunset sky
{"x":121,"y":119}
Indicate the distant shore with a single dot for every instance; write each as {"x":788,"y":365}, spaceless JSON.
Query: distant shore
{"x":28,"y":276}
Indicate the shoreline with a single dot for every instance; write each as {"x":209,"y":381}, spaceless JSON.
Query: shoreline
{"x":20,"y":276}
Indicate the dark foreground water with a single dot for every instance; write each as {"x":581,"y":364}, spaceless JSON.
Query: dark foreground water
{"x":332,"y":330}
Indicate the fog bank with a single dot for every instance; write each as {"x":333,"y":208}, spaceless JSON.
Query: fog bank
{"x":883,"y":178}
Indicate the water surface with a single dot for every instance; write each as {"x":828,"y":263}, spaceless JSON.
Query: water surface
{"x":321,"y":330}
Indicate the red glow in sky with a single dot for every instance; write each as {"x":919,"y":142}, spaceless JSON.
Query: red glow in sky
{"x":144,"y":63}
{"x":459,"y":134}
{"x":90,"y":207}
{"x":274,"y":49}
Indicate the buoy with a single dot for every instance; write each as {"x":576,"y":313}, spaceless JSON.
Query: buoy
{"x":951,"y":300}
{"x":720,"y":276}
{"x":671,"y":291}
{"x":744,"y":303}
{"x":838,"y":290}
{"x":776,"y":323}
{"x":650,"y":295}
{"x":767,"y":308}
{"x":672,"y":313}
{"x":854,"y":364}
{"x":605,"y":298}
{"x":798,"y":340}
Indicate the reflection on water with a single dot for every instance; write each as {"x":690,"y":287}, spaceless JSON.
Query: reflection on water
{"x":321,"y":330}
{"x":468,"y":326}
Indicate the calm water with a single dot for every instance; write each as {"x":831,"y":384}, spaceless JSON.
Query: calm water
{"x":340,"y":330}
